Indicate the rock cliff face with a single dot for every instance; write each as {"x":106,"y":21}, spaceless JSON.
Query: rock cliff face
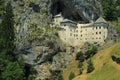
{"x":78,"y":10}
{"x":37,"y":41}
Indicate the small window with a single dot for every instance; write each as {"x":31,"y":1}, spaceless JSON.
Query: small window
{"x":76,"y":30}
{"x":99,"y":32}
{"x":99,"y":37}
{"x":100,"y":27}
{"x":70,"y":34}
{"x":96,"y":32}
{"x":81,"y":35}
{"x":70,"y":29}
{"x":64,"y":24}
{"x":96,"y":27}
{"x":76,"y":34}
{"x":81,"y":31}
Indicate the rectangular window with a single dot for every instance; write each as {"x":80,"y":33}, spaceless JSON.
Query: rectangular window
{"x":76,"y":30}
{"x":70,"y":34}
{"x":96,"y":32}
{"x":74,"y":35}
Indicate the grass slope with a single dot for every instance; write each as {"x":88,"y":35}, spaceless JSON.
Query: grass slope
{"x":71,"y":68}
{"x":105,"y":68}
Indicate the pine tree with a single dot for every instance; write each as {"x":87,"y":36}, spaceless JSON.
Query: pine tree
{"x":10,"y":69}
{"x":7,"y":29}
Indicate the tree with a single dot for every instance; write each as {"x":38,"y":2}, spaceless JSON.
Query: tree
{"x":109,"y":9}
{"x":80,"y":56}
{"x":60,"y":77}
{"x":7,"y":30}
{"x":12,"y":72}
{"x":90,"y":66}
{"x":91,"y":52}
{"x":10,"y":68}
{"x":71,"y":76}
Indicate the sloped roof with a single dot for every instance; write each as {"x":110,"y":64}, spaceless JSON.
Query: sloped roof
{"x":67,"y":20}
{"x":58,"y":15}
{"x":100,"y":19}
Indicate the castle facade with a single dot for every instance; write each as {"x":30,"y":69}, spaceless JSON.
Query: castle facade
{"x":76,"y":34}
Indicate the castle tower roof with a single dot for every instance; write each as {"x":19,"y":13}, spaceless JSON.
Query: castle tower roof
{"x":67,"y":20}
{"x":100,"y":19}
{"x":58,"y":15}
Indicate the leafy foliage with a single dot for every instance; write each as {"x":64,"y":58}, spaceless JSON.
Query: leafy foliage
{"x":111,"y":9}
{"x":7,"y":30}
{"x":90,"y":67}
{"x":80,"y":64}
{"x":91,"y":52}
{"x":10,"y":68}
{"x":71,"y":76}
{"x":60,"y":77}
{"x":80,"y":56}
{"x":116,"y":59}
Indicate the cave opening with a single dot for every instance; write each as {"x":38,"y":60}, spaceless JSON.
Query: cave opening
{"x":67,"y":11}
{"x":57,"y":7}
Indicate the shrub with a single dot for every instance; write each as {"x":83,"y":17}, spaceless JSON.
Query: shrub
{"x":90,"y":67}
{"x":91,"y":52}
{"x":60,"y":77}
{"x":71,"y":76}
{"x":80,"y":57}
{"x":80,"y":65}
{"x":116,"y":59}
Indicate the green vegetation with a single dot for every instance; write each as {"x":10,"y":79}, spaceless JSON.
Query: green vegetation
{"x":60,"y":77}
{"x":104,"y":66}
{"x":90,"y":67}
{"x":80,"y":56}
{"x":106,"y":72}
{"x":80,"y":64}
{"x":116,"y":59}
{"x":91,"y":52}
{"x":111,"y":9}
{"x":10,"y":68}
{"x":71,"y":76}
{"x":7,"y":30}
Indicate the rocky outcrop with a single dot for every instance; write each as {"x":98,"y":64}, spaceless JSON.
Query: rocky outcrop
{"x":79,"y":10}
